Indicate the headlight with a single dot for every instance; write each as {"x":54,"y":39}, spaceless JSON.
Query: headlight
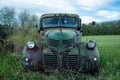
{"x":30,"y":44}
{"x":95,"y":59}
{"x":26,"y":59}
{"x":91,"y":44}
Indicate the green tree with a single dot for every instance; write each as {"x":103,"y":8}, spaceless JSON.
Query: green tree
{"x":33,"y":20}
{"x":24,"y":18}
{"x":7,"y":16}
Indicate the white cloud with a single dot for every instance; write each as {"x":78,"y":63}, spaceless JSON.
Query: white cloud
{"x":41,"y":5}
{"x":93,"y":4}
{"x":108,"y":14}
{"x":56,"y":5}
{"x":89,"y":19}
{"x":65,"y":6}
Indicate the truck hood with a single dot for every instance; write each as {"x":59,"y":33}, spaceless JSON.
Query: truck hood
{"x":57,"y":34}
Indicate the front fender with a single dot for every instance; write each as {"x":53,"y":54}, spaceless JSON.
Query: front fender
{"x":33,"y":56}
{"x":90,"y":58}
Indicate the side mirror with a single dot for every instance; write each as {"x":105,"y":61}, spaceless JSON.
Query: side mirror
{"x":38,"y":30}
{"x":41,"y":28}
{"x":78,"y":28}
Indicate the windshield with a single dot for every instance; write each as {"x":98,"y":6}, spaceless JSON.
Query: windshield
{"x":60,"y":21}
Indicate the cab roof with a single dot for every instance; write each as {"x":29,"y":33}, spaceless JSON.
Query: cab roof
{"x":59,"y":14}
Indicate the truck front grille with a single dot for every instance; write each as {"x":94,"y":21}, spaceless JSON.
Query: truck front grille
{"x":50,"y":61}
{"x":68,"y":61}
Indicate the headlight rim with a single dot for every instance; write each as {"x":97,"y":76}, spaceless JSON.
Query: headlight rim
{"x":31,"y":44}
{"x":89,"y":43}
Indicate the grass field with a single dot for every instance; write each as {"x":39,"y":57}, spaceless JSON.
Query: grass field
{"x":109,"y":48}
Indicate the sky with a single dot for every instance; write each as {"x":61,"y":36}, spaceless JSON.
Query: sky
{"x":88,"y":10}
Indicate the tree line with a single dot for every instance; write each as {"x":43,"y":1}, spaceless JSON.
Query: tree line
{"x":103,"y":28}
{"x":9,"y":17}
{"x":24,"y":19}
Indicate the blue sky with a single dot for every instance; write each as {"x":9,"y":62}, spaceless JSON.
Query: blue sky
{"x":88,"y":10}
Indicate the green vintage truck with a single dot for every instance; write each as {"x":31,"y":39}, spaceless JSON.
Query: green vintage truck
{"x":60,"y":46}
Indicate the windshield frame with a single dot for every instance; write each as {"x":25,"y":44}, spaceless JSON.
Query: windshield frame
{"x":78,"y":23}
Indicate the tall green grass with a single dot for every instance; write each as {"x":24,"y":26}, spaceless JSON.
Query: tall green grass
{"x":108,"y":46}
